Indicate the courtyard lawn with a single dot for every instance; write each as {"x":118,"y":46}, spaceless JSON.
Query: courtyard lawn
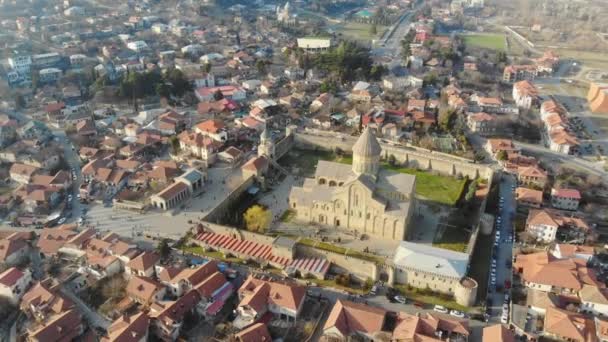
{"x":340,"y":250}
{"x":432,"y":187}
{"x":430,"y":299}
{"x":436,"y":188}
{"x":198,"y":250}
{"x":485,"y":41}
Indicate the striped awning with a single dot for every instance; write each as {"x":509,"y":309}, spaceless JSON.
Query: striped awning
{"x":311,"y":265}
{"x":252,"y":249}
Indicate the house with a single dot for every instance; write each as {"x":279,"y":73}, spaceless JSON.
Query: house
{"x":188,"y":278}
{"x":497,"y":333}
{"x":525,"y":94}
{"x":167,"y":317}
{"x":14,"y":283}
{"x":44,"y":300}
{"x":494,"y":146}
{"x":145,"y":290}
{"x":12,"y":251}
{"x":257,"y":332}
{"x":199,"y":145}
{"x":214,"y":129}
{"x":143,"y":264}
{"x":255,"y":166}
{"x":231,"y":92}
{"x":414,"y":104}
{"x":543,"y":224}
{"x":351,"y":320}
{"x":594,"y":300}
{"x":132,"y":328}
{"x":22,"y":173}
{"x":482,"y":123}
{"x":429,"y":327}
{"x":231,"y":155}
{"x":171,"y":197}
{"x":566,"y":251}
{"x":50,"y":240}
{"x":320,"y":102}
{"x":513,"y":73}
{"x":561,"y":140}
{"x":532,"y":175}
{"x":567,"y":199}
{"x":86,"y":128}
{"x":257,"y":297}
{"x":64,"y":326}
{"x":569,"y":326}
{"x":529,"y":197}
{"x":542,"y":271}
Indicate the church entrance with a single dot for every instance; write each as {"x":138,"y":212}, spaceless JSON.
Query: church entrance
{"x":337,"y":223}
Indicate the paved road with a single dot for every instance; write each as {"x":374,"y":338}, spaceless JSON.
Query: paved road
{"x":504,"y":249}
{"x":72,"y":158}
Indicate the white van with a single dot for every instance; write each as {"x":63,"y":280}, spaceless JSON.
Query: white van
{"x":374,"y":290}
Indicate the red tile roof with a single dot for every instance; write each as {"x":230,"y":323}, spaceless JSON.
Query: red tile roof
{"x":11,"y":276}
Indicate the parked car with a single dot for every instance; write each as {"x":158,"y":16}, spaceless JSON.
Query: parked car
{"x":457,"y":313}
{"x":441,"y":309}
{"x":400,"y":299}
{"x":61,"y":220}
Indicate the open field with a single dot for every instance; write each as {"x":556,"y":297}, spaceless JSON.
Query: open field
{"x":419,"y":295}
{"x":359,"y":31}
{"x":436,"y":188}
{"x":590,"y":59}
{"x":491,"y":41}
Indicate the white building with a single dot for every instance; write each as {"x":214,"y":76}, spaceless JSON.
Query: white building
{"x":20,"y":64}
{"x":50,"y":75}
{"x":14,"y":283}
{"x":438,"y":269}
{"x":567,"y":199}
{"x":315,"y":44}
{"x":46,"y":60}
{"x":525,"y":94}
{"x":137,"y":46}
{"x":593,"y":300}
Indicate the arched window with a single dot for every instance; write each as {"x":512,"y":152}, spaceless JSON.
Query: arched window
{"x":322,"y":181}
{"x":332,"y":183}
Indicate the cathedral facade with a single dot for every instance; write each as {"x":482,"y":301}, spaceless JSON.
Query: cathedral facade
{"x":363,"y":198}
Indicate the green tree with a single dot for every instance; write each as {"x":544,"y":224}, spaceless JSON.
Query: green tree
{"x":260,"y":66}
{"x":163,"y":90}
{"x":206,"y":67}
{"x":502,"y":155}
{"x":163,"y":249}
{"x":446,"y":118}
{"x":257,"y":218}
{"x":175,"y":147}
{"x":20,"y":101}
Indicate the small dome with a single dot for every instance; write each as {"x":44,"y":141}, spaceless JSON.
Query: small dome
{"x":367,"y":145}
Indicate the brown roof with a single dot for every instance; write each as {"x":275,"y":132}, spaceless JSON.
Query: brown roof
{"x":554,"y":218}
{"x":8,"y":247}
{"x":543,"y":268}
{"x":144,"y":261}
{"x":211,"y":284}
{"x":569,"y":325}
{"x":167,"y":313}
{"x":286,"y":295}
{"x":501,"y":145}
{"x":529,"y":195}
{"x":196,"y":275}
{"x":22,"y":169}
{"x":44,"y":295}
{"x":349,"y":318}
{"x":143,"y":289}
{"x":256,"y":164}
{"x":210,"y":126}
{"x":64,"y":326}
{"x":128,"y":328}
{"x":172,"y":190}
{"x":10,"y":276}
{"x":568,"y":250}
{"x":257,"y":332}
{"x":51,"y":240}
{"x":167,"y":274}
{"x":532,"y":171}
{"x":497,"y":333}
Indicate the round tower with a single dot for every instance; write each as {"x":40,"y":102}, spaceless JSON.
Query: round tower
{"x":366,"y":154}
{"x":466,"y":292}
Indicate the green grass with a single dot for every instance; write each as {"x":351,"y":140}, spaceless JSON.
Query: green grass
{"x":288,"y":215}
{"x":453,"y":246}
{"x":340,"y":250}
{"x":332,"y":283}
{"x":485,"y":41}
{"x":436,"y":188}
{"x":198,"y":250}
{"x":431,"y":299}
